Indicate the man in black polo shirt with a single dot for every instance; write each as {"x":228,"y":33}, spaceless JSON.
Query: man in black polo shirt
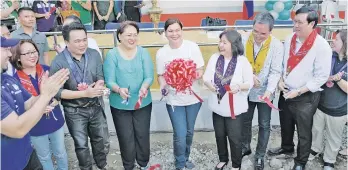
{"x":81,"y":96}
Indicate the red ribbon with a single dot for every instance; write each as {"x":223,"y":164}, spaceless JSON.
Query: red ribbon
{"x":155,"y":167}
{"x":200,"y":99}
{"x":138,"y":104}
{"x":230,"y":97}
{"x":269,"y":103}
{"x":140,"y":100}
{"x":180,"y":75}
{"x":52,"y":10}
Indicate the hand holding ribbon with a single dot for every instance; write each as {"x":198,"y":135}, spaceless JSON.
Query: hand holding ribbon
{"x":142,"y":94}
{"x":268,"y":102}
{"x":234,"y":89}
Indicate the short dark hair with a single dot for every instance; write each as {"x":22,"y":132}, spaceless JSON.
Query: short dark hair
{"x":74,"y":18}
{"x":343,"y":36}
{"x":15,"y":59}
{"x":123,"y":26}
{"x":171,"y":21}
{"x":312,"y":14}
{"x":71,"y":27}
{"x":236,"y":41}
{"x":24,"y":9}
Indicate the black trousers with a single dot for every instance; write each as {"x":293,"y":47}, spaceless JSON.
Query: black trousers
{"x":133,"y":133}
{"x":298,"y":111}
{"x":34,"y":162}
{"x":88,"y":122}
{"x":232,"y":129}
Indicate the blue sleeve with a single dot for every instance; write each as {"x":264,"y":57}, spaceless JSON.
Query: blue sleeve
{"x":5,"y":109}
{"x":26,"y":95}
{"x":109,"y":68}
{"x":147,"y":67}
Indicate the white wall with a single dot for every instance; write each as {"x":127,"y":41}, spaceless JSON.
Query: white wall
{"x":210,"y":6}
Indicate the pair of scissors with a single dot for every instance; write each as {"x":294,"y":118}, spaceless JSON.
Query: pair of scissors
{"x":164,"y":93}
{"x":125,"y":101}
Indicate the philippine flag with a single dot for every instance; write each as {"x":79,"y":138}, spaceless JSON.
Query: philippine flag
{"x":248,"y":9}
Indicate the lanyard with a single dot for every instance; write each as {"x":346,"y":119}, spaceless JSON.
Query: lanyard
{"x":78,"y":74}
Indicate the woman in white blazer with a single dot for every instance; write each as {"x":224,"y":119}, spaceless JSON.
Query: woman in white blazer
{"x":229,"y":77}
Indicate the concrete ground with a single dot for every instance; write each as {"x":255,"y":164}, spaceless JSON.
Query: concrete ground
{"x":203,"y":154}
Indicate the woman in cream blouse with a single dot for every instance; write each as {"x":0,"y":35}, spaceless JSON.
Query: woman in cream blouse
{"x":228,"y":68}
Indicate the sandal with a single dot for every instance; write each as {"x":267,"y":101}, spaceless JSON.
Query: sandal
{"x":222,"y":167}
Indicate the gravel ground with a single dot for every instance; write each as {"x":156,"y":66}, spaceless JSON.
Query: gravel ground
{"x":204,"y":153}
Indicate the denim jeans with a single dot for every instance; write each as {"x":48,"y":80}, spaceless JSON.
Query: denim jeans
{"x":264,"y":119}
{"x":183,"y":120}
{"x":88,"y":122}
{"x":55,"y":142}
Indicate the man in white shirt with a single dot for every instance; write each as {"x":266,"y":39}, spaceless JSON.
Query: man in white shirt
{"x":265,"y":54}
{"x":307,"y":62}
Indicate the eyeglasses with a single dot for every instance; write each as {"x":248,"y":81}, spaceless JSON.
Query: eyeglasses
{"x":30,"y":53}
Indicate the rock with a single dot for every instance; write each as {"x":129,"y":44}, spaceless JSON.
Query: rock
{"x":292,"y":163}
{"x":276,"y":163}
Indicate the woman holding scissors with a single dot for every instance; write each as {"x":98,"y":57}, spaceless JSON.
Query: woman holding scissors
{"x":229,"y":76}
{"x":128,"y":72}
{"x":48,"y":133}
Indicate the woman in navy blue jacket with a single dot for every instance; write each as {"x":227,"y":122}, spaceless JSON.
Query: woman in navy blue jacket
{"x":48,"y":134}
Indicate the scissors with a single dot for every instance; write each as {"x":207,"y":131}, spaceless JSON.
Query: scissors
{"x":164,"y":93}
{"x":125,"y":101}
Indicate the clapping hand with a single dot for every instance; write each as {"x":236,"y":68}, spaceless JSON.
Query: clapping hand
{"x":50,"y":85}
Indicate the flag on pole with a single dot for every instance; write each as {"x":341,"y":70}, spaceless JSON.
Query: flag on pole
{"x":248,"y":9}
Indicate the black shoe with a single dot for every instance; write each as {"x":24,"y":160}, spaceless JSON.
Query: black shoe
{"x":298,"y":167}
{"x":259,"y":164}
{"x":248,"y":152}
{"x":279,"y":151}
{"x":222,"y":167}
